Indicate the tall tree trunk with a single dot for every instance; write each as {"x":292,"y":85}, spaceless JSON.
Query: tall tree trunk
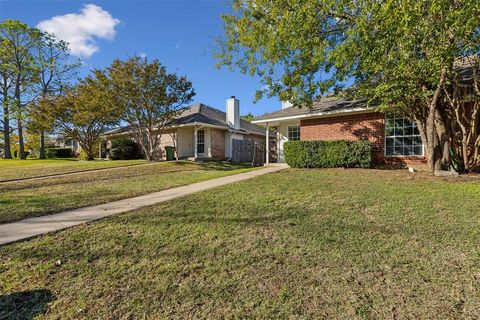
{"x":7,"y":153}
{"x":19,"y":119}
{"x":443,"y":136}
{"x":432,"y":143}
{"x":20,"y":140}
{"x":42,"y":146}
{"x":434,"y":152}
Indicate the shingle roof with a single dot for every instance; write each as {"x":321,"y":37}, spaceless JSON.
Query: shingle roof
{"x":203,"y":114}
{"x":327,"y":105}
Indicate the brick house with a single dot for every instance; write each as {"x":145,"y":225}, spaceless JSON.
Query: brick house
{"x":201,"y":132}
{"x":394,"y":139}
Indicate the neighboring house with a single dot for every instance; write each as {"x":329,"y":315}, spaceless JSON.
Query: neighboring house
{"x":394,"y":139}
{"x":64,"y":142}
{"x":203,"y":132}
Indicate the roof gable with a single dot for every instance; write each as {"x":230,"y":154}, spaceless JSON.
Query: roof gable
{"x":202,"y":114}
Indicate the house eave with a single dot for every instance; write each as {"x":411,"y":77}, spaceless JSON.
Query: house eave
{"x":316,"y":115}
{"x":185,"y":125}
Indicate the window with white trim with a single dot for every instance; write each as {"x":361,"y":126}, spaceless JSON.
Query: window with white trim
{"x":402,"y":137}
{"x":293,"y":133}
{"x":200,"y":141}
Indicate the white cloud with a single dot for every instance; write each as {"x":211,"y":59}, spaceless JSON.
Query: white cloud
{"x":143,"y":55}
{"x":81,"y":29}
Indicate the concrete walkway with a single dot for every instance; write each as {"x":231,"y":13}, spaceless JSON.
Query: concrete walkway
{"x":28,"y":228}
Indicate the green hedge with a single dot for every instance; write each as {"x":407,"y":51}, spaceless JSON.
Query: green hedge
{"x":328,"y":154}
{"x":124,"y":149}
{"x":51,"y":153}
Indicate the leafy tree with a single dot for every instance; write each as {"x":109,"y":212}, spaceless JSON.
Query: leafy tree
{"x":6,"y":82}
{"x":40,"y":121}
{"x":248,"y":116}
{"x":150,"y":98}
{"x":400,"y":53}
{"x":56,"y":69}
{"x":462,"y":106}
{"x":18,"y":41}
{"x":84,"y":112}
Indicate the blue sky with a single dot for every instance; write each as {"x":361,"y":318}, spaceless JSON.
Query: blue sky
{"x":179,"y":33}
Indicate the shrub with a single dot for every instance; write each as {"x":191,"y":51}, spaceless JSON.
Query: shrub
{"x":51,"y":153}
{"x":16,"y":154}
{"x":83,"y":155}
{"x":328,"y":154}
{"x":124,"y":149}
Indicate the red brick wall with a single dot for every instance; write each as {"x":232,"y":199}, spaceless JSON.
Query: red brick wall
{"x":365,"y":126}
{"x":218,"y":143}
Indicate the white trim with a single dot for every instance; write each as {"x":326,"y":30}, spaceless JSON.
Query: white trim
{"x":288,"y":131}
{"x":193,"y":124}
{"x":267,"y":144}
{"x":204,"y":153}
{"x":318,"y":114}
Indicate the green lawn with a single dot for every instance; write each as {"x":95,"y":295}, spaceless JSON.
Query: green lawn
{"x":335,"y":244}
{"x":30,"y":198}
{"x":18,"y":169}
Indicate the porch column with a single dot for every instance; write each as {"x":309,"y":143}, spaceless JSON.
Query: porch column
{"x":100,"y":149}
{"x":267,"y":144}
{"x":176,"y":144}
{"x":195,"y":137}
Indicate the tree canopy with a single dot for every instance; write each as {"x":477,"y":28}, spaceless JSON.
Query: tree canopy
{"x":33,"y":65}
{"x":400,"y":54}
{"x":149,"y":97}
{"x":84,"y":112}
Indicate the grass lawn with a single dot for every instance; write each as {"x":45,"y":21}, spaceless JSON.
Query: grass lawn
{"x":30,"y":198}
{"x":336,"y":244}
{"x":17,"y":169}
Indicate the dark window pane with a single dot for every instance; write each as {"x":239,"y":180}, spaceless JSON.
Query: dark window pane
{"x":389,"y":142}
{"x":200,"y":141}
{"x":390,"y":123}
{"x":407,"y":123}
{"x":389,"y":132}
{"x":408,"y":141}
{"x":398,"y":123}
{"x":398,"y":142}
{"x":401,"y":136}
{"x":417,"y":141}
{"x":293,"y":133}
{"x":408,"y":131}
{"x":408,"y":151}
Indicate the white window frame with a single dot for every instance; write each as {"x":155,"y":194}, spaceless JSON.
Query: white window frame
{"x":288,"y":132}
{"x":204,"y":142}
{"x":396,"y":155}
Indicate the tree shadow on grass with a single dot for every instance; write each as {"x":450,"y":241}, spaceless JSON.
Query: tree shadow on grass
{"x":24,"y":304}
